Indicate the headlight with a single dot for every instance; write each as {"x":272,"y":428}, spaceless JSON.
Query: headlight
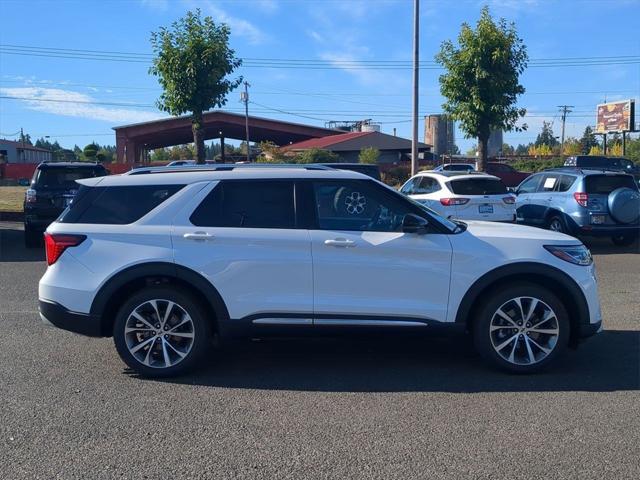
{"x":576,"y":254}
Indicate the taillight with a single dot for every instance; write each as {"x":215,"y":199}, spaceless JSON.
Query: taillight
{"x":581,"y":198}
{"x":448,"y":202}
{"x":30,"y":196}
{"x":56,"y":243}
{"x":509,"y":200}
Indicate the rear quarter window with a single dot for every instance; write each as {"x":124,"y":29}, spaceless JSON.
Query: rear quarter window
{"x":116,"y":205}
{"x":477,"y":186}
{"x":605,"y":184}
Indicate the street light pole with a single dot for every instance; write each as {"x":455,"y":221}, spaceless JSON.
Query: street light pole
{"x":416,"y":46}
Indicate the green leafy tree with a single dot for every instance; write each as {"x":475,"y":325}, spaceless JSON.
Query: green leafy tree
{"x":369,"y":155}
{"x":507,"y":149}
{"x":316,"y":155}
{"x":633,"y":150}
{"x":546,"y":137}
{"x":471,"y":152}
{"x":91,"y":151}
{"x":192,"y":62}
{"x":481,"y":83}
{"x":588,"y":141}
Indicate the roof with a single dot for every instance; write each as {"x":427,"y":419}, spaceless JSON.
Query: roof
{"x":457,"y":175}
{"x":69,"y":164}
{"x":216,"y":123}
{"x":23,"y":146}
{"x":182,"y":177}
{"x":354,"y":141}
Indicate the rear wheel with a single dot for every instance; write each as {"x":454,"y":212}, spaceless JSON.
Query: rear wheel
{"x":623,"y":240}
{"x":161,"y":332}
{"x":522,"y":329}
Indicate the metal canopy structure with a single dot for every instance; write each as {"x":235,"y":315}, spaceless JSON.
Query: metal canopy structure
{"x":135,"y":139}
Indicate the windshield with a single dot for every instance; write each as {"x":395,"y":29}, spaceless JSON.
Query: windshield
{"x":477,"y":186}
{"x":65,"y":177}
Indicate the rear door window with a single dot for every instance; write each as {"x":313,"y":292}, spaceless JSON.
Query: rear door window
{"x":477,"y":186}
{"x":248,"y":204}
{"x":116,"y":205}
{"x":550,"y":183}
{"x":605,"y":184}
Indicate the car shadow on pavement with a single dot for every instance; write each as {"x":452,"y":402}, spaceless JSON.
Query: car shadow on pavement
{"x":604,"y":246}
{"x":12,"y":247}
{"x":608,"y":362}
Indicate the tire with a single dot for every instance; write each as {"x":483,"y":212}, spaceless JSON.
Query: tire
{"x":31,"y":237}
{"x":165,"y":355}
{"x":622,"y":240}
{"x":535,"y":346}
{"x":556,"y":224}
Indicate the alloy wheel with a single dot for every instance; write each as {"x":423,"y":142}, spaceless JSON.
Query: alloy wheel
{"x":524,"y":330}
{"x":159,"y":333}
{"x":555,"y":225}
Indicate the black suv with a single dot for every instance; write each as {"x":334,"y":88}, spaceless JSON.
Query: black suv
{"x":618,"y":164}
{"x":53,"y":187}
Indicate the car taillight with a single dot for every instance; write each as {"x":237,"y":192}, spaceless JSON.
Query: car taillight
{"x":509,"y":200}
{"x":30,"y":196}
{"x":56,"y":243}
{"x":581,"y":198}
{"x":448,"y":202}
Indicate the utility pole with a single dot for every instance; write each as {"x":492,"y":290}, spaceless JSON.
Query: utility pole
{"x":244,"y":96}
{"x":564,"y":109}
{"x":416,"y":65}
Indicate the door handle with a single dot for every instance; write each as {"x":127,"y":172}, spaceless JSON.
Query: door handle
{"x":198,"y":236}
{"x":340,"y":242}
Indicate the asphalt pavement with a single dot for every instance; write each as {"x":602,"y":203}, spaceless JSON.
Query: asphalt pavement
{"x":317,"y":408}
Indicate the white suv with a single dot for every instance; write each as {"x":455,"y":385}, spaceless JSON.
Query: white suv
{"x":166,"y":262}
{"x":463,"y":195}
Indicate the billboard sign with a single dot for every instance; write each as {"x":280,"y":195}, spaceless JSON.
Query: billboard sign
{"x":615,"y":117}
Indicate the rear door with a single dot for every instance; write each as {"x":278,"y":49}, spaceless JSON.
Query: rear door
{"x":243,"y":236}
{"x":598,"y":188}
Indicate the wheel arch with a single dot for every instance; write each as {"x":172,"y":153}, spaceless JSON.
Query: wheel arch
{"x":561,"y":284}
{"x":132,"y":279}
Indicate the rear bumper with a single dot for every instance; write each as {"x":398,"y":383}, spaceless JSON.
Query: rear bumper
{"x":57,"y":315}
{"x":606,"y":230}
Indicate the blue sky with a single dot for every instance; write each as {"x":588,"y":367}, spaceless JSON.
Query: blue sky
{"x":72,"y":100}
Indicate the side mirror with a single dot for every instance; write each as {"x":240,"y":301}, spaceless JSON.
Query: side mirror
{"x":414,"y":224}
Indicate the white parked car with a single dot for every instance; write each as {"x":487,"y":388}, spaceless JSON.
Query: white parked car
{"x":461,"y":195}
{"x":165,"y":262}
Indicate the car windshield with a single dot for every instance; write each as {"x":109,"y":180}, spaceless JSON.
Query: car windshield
{"x":477,"y":186}
{"x":605,"y":184}
{"x":66,"y":177}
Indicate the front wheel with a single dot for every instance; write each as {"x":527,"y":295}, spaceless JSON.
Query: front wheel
{"x":161,"y":332}
{"x":522,"y":328}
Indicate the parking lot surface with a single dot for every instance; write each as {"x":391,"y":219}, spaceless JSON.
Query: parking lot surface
{"x":321,"y":408}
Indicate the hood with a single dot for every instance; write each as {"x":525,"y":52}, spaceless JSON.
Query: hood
{"x":487,"y":230}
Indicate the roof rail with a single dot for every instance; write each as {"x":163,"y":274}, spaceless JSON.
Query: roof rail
{"x":222,"y":168}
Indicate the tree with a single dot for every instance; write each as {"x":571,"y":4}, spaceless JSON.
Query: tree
{"x":481,"y":83}
{"x":507,"y":149}
{"x":471,"y":152}
{"x":316,"y":155}
{"x":522,"y":149}
{"x":192,"y":62}
{"x":90,"y":151}
{"x":25,"y":138}
{"x":595,"y":150}
{"x":588,"y":141}
{"x":542,"y":149}
{"x":369,"y":155}
{"x":572,"y":146}
{"x":546,"y":137}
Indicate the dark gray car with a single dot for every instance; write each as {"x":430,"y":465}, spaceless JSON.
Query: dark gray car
{"x":581,"y":202}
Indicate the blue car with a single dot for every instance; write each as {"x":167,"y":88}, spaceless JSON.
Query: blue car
{"x":581,"y":202}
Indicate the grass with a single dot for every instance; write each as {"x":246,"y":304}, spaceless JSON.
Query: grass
{"x":11,"y":199}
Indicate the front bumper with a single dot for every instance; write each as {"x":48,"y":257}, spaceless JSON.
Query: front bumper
{"x":57,"y":315}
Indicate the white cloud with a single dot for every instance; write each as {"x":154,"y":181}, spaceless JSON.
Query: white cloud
{"x":239,"y":26}
{"x":268,"y":6}
{"x":365,"y":76}
{"x":74,"y":104}
{"x":315,"y":36}
{"x":161,"y":5}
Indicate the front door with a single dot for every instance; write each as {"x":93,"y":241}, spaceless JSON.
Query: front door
{"x":365,"y":269}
